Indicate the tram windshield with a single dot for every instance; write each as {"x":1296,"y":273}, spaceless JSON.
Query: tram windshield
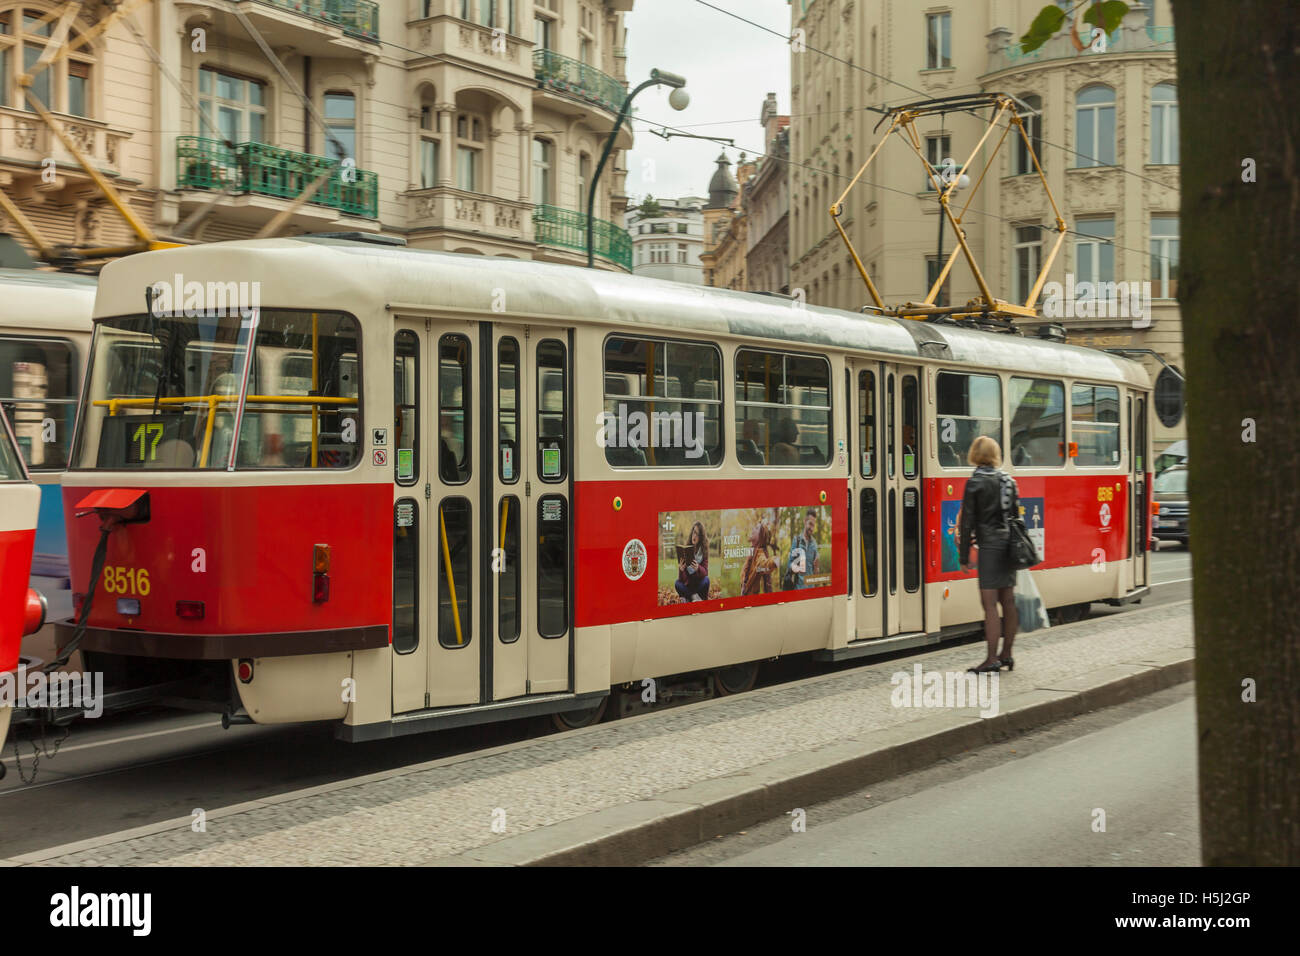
{"x":165,"y":392}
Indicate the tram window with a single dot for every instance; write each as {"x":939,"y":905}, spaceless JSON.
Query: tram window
{"x":911,"y":427}
{"x":967,"y":406}
{"x":11,"y":468}
{"x":1094,"y":424}
{"x":508,"y":577}
{"x":552,"y":566}
{"x":663,"y":404}
{"x":870,"y":576}
{"x":893,"y":542}
{"x":783,"y":407}
{"x":508,"y":410}
{"x":552,"y":410}
{"x":406,"y":407}
{"x":164,"y":392}
{"x":889,"y":425}
{"x":867,"y":423}
{"x":38,"y":390}
{"x":1037,"y":409}
{"x":911,"y":539}
{"x":406,"y":576}
{"x":453,"y":409}
{"x":455,"y":626}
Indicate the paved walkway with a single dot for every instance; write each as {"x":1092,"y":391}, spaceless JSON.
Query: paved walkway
{"x":451,"y":810}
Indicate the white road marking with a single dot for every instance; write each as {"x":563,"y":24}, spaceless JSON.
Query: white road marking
{"x":122,"y":740}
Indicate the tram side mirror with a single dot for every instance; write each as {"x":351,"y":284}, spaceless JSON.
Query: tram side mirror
{"x":116,"y":506}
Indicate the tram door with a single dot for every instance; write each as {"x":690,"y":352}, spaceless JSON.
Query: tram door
{"x":886,"y":488}
{"x":530,"y":564}
{"x":1140,"y":512}
{"x":433,"y":449}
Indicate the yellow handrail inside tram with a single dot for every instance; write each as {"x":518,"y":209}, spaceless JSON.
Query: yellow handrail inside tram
{"x":451,"y":578}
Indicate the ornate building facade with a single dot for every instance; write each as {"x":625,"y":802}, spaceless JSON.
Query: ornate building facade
{"x":1105,"y":132}
{"x":463,"y":125}
{"x":767,"y":207}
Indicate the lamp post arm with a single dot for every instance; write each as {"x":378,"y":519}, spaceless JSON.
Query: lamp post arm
{"x":600,"y":166}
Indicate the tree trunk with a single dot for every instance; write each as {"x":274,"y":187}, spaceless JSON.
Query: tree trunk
{"x":1238,"y":65}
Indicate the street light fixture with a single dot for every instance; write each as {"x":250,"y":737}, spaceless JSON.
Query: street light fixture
{"x":678,"y":99}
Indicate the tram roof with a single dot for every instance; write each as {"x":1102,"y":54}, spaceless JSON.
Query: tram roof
{"x":347,"y":271}
{"x":36,"y":301}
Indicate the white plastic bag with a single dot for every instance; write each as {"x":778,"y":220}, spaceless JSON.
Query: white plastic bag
{"x":1029,"y":604}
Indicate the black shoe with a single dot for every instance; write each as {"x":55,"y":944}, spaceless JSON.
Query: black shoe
{"x":1008,"y":662}
{"x":985,"y":668}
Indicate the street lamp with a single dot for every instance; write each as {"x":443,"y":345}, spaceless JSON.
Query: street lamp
{"x":678,"y":99}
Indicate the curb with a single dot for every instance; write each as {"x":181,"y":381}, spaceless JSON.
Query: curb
{"x":634,"y":833}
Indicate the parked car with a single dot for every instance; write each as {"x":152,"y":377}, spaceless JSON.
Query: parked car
{"x":1170,"y":489}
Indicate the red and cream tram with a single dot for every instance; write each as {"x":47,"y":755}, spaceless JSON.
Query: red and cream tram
{"x":414,"y":489}
{"x":22,"y":609}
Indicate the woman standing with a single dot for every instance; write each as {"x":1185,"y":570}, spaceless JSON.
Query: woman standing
{"x":991,"y":495}
{"x":693,"y":573}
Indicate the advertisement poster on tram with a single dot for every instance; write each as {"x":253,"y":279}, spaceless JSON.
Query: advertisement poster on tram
{"x":738,"y":552}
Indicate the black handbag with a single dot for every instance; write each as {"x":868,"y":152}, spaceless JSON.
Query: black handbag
{"x":1021,"y":551}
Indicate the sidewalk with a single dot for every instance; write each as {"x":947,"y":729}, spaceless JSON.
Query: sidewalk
{"x":633,"y":789}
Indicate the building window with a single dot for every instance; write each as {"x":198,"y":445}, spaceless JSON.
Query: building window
{"x":932,"y":268}
{"x":681,"y":252}
{"x":1094,"y":133}
{"x":511,"y":20}
{"x":469,"y":152}
{"x":1164,"y":124}
{"x":1169,"y":398}
{"x":465,"y":9}
{"x":231,"y":107}
{"x":543,"y":174}
{"x":428,"y":163}
{"x":487,"y":12}
{"x":937,"y":149}
{"x":938,"y":41}
{"x":542,"y":32}
{"x":584,"y":51}
{"x":341,"y":121}
{"x":1027,"y":260}
{"x":584,"y":178}
{"x":63,"y":86}
{"x":1095,"y":250}
{"x":1024,"y":164}
{"x":1164,"y":256}
{"x":682,"y":228}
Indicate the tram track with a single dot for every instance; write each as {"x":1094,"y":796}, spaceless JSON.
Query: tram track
{"x":140,"y":768}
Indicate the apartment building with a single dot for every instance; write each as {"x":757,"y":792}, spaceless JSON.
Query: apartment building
{"x":1105,"y":132}
{"x":463,"y":125}
{"x":667,"y":238}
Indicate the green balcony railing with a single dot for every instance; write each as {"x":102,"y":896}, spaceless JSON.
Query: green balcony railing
{"x":553,"y":226}
{"x":1149,"y":40}
{"x":354,"y":16}
{"x":203,"y":163}
{"x":575,"y":78}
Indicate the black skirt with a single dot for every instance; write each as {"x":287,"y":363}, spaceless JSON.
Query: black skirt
{"x":995,"y":568}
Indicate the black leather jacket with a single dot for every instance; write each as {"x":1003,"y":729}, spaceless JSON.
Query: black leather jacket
{"x":982,"y":510}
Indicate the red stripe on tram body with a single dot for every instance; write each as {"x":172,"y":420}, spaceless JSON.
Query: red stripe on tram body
{"x":1073,"y":522}
{"x":15,"y":566}
{"x":257,"y":549}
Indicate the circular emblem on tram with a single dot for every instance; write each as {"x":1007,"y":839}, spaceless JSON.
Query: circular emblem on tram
{"x":634,"y":559}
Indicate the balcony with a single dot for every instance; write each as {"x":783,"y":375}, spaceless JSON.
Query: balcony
{"x":26,"y":140}
{"x":1148,"y":39}
{"x":446,"y":207}
{"x":357,"y":17}
{"x":270,"y":171}
{"x":566,"y":229}
{"x":577,"y":80}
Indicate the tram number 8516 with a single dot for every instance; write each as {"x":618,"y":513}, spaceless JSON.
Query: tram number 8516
{"x":120,"y":580}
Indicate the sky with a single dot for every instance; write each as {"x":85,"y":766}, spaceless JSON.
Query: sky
{"x":729,"y":67}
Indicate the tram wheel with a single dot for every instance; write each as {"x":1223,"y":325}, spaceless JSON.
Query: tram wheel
{"x":735,"y":679}
{"x":1072,"y":613}
{"x":575,"y":719}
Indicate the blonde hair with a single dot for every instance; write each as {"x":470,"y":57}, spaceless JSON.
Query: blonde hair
{"x":985,"y":451}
